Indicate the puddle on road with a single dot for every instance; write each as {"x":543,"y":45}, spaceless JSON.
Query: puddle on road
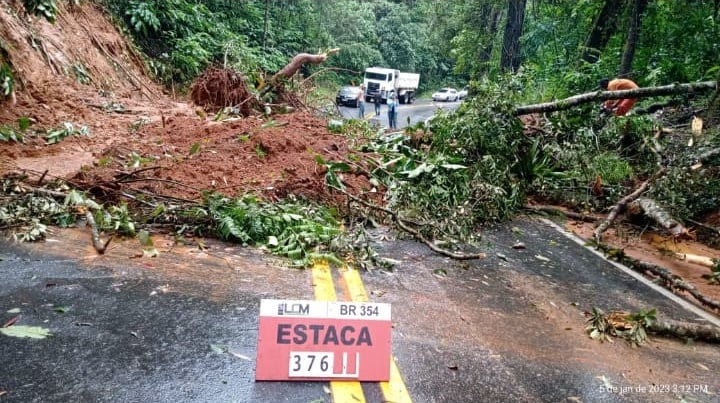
{"x":217,"y":271}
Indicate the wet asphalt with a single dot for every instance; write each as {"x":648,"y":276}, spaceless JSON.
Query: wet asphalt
{"x":182,"y":327}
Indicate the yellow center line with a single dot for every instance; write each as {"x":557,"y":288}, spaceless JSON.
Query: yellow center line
{"x":342,"y":391}
{"x":393,"y":390}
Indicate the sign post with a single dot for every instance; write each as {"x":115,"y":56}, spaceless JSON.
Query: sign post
{"x":301,"y":340}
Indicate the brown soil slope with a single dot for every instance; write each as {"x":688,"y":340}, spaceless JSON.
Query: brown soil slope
{"x":81,"y":70}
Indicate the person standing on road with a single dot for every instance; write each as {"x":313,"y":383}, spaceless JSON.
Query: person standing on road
{"x":361,"y":102}
{"x":618,"y":106}
{"x":378,"y":100}
{"x":392,"y":112}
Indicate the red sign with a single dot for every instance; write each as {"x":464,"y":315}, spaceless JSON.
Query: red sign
{"x":302,"y":340}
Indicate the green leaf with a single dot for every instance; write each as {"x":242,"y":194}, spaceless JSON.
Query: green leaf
{"x":61,"y":309}
{"x":23,"y":123}
{"x":422,"y":168}
{"x":194,"y":149}
{"x":33,"y":332}
{"x":144,"y":238}
{"x":160,"y":209}
{"x":340,"y":166}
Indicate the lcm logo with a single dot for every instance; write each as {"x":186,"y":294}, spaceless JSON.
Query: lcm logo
{"x":293,"y":309}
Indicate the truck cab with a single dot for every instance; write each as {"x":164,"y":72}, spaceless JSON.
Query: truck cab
{"x":388,"y":82}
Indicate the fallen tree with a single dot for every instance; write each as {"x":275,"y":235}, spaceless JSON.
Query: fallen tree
{"x":595,"y":96}
{"x":651,"y":209}
{"x":621,"y":205}
{"x":219,"y":88}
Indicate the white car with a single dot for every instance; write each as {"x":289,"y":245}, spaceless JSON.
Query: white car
{"x":445,"y":94}
{"x":462,"y":94}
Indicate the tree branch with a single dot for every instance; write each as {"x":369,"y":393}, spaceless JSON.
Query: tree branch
{"x":645,"y":92}
{"x":403,"y":225}
{"x":622,"y":205}
{"x":298,"y":61}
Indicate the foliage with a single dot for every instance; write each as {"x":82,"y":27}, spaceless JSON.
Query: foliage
{"x":469,"y":174}
{"x":116,"y":219}
{"x":640,"y":321}
{"x":446,"y":45}
{"x":9,"y":133}
{"x":183,"y":37}
{"x":81,"y":73}
{"x":678,"y":23}
{"x":43,"y":8}
{"x":7,"y":81}
{"x":135,"y":160}
{"x":484,"y":137}
{"x":714,"y":276}
{"x":598,"y":327}
{"x":33,"y":332}
{"x":631,"y":327}
{"x":56,"y":135}
{"x":26,"y":213}
{"x":297,"y":231}
{"x":689,"y":190}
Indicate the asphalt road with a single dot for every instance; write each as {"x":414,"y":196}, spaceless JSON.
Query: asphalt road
{"x":183,"y":326}
{"x":408,"y":114}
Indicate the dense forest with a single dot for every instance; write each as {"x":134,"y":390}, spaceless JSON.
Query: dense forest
{"x":555,"y":47}
{"x":481,"y":163}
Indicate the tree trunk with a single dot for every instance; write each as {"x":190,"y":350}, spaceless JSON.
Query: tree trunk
{"x":632,"y":39}
{"x":604,"y":27}
{"x":510,"y":57}
{"x":644,"y":92}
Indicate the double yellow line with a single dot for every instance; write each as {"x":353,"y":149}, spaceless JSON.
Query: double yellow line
{"x":393,"y":390}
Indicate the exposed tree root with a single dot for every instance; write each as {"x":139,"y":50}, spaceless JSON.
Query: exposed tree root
{"x":218,"y":88}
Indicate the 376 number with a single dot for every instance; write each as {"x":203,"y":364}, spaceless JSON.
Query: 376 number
{"x":309,"y":364}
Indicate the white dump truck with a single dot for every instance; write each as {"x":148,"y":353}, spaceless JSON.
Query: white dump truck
{"x":389,"y":82}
